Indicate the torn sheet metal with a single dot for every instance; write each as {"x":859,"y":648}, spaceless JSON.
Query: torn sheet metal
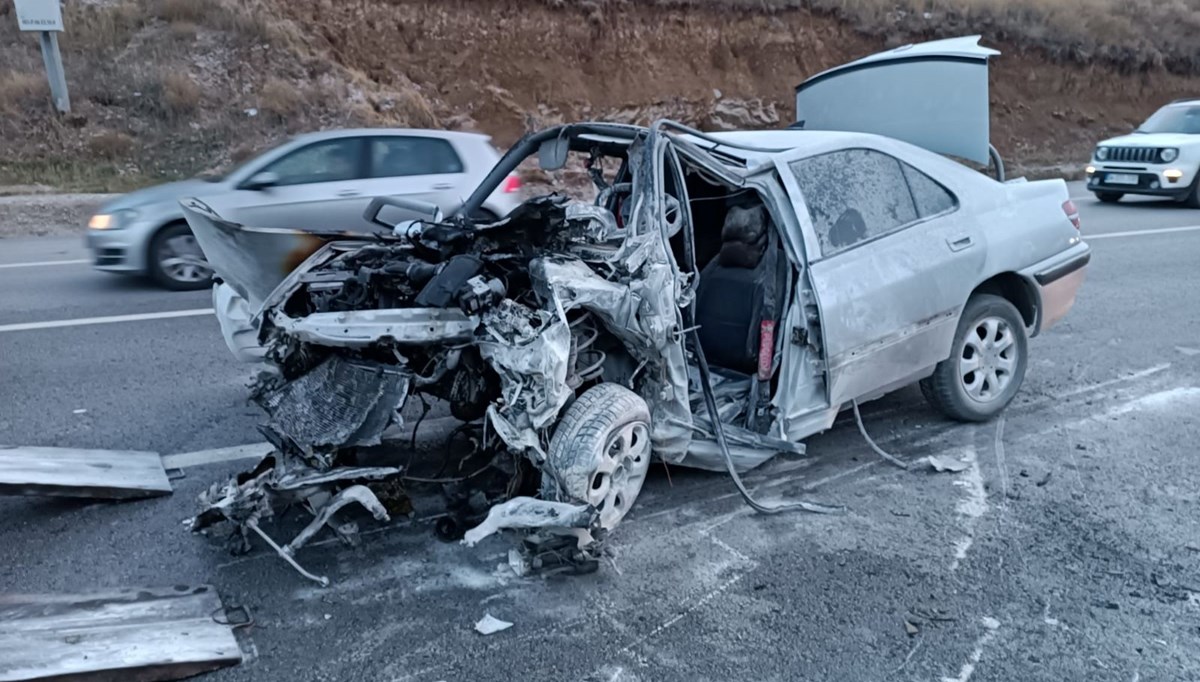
{"x":146,"y":634}
{"x":338,"y":403}
{"x":72,"y":472}
{"x":530,"y":512}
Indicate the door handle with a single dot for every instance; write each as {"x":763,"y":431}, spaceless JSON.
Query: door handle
{"x":960,"y":243}
{"x":348,"y":193}
{"x":443,"y":185}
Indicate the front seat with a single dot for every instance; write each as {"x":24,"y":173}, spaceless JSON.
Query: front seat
{"x":730,"y":302}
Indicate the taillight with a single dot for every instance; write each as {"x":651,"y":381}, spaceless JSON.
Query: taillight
{"x":1072,"y":212}
{"x":511,"y":184}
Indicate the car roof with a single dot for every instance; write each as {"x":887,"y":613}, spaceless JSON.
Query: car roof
{"x":365,"y":132}
{"x":774,"y":141}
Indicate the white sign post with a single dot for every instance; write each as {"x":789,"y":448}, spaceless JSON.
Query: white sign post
{"x":45,"y":17}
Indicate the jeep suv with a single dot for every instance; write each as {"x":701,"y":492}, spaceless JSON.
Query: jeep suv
{"x":1160,"y":158}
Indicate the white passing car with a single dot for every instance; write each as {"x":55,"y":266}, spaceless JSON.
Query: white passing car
{"x":1160,"y":158}
{"x":317,"y":181}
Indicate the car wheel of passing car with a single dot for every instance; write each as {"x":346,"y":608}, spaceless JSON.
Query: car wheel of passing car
{"x":1109,"y":197}
{"x":176,"y":261}
{"x":600,"y":452}
{"x":987,"y":366}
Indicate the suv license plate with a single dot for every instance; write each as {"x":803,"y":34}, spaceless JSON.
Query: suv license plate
{"x":1121,"y":179}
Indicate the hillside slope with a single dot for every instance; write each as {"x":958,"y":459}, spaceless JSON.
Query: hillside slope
{"x":165,"y":88}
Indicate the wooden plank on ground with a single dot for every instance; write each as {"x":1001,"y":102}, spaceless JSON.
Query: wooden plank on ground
{"x":72,"y":472}
{"x":142,"y":635}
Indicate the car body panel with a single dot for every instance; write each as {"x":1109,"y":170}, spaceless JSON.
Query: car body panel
{"x":933,"y":95}
{"x":331,"y":206}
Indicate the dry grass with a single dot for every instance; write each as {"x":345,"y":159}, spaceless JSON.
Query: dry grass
{"x":21,"y":90}
{"x":110,"y":145}
{"x":280,"y":99}
{"x":180,"y":95}
{"x":1131,"y":34}
{"x":186,"y":11}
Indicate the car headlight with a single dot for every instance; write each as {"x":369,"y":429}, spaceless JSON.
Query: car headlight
{"x":1168,"y":155}
{"x":112,"y":221}
{"x":1101,"y":153}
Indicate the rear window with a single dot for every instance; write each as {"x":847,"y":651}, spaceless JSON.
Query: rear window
{"x":405,"y":156}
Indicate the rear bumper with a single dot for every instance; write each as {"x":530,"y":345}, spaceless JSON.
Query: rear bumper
{"x":1058,"y":280}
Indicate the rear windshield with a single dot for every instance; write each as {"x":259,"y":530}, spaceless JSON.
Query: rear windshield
{"x":1173,"y":119}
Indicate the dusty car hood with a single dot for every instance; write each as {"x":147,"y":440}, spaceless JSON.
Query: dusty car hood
{"x":933,"y":95}
{"x":171,"y":191}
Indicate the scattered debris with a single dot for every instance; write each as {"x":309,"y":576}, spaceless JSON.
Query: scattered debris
{"x":490,"y":625}
{"x":947,"y":463}
{"x":144,"y":634}
{"x":72,"y":472}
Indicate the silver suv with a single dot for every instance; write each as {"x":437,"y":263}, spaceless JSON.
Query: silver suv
{"x":317,"y":181}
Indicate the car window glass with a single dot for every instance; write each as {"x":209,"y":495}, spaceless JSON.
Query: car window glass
{"x":854,"y":195}
{"x":328,"y":161}
{"x":401,"y":156}
{"x":930,"y":197}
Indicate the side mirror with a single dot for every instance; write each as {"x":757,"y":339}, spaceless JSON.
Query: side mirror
{"x":424,"y":209}
{"x":261,"y":181}
{"x":552,"y":154}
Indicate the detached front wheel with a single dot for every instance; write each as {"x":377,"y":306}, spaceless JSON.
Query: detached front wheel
{"x":986,"y":369}
{"x":600,"y":452}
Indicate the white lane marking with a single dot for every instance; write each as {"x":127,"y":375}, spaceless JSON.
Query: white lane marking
{"x":83,"y":321}
{"x":44,"y":263}
{"x":968,"y":669}
{"x":200,"y":457}
{"x":1140,"y":233}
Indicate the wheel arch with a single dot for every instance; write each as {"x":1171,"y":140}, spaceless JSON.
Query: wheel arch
{"x":1018,"y":291}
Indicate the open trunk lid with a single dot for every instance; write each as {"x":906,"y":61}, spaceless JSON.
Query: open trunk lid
{"x":933,"y":95}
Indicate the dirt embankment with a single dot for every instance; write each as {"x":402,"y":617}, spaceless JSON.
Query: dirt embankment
{"x":164,"y":88}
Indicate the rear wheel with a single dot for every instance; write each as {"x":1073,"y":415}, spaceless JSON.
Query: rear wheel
{"x":600,"y":452}
{"x":986,"y":369}
{"x":175,"y":260}
{"x":1109,"y":197}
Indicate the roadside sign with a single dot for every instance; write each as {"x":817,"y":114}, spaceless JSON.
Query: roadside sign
{"x":39,"y":15}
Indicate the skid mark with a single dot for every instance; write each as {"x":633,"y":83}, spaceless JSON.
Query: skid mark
{"x":972,"y":506}
{"x":991,"y":625}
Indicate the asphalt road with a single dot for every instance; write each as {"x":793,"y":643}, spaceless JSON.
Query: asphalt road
{"x":1069,"y":549}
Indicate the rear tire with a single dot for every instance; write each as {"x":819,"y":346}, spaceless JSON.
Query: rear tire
{"x":1109,"y":197}
{"x":175,"y":261}
{"x":600,"y":452}
{"x":987,"y":366}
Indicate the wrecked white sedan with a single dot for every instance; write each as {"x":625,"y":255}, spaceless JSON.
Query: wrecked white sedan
{"x":720,"y":299}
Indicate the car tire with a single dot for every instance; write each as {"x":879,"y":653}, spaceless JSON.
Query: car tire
{"x":1192,"y":200}
{"x":962,"y":392}
{"x":600,"y":452}
{"x":1109,"y":197}
{"x":175,"y":241}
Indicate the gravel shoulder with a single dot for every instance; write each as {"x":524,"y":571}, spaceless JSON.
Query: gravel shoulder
{"x":36,"y":214}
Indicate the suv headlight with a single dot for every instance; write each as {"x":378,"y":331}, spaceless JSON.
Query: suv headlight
{"x":1168,"y":155}
{"x":1101,"y":153}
